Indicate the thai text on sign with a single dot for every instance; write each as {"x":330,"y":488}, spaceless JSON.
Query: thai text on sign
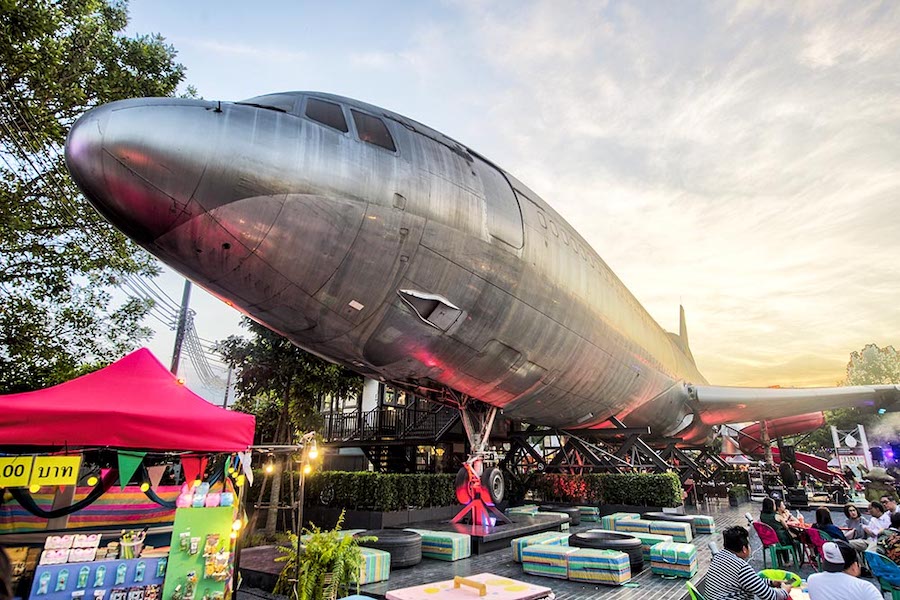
{"x":55,"y":470}
{"x":15,"y":471}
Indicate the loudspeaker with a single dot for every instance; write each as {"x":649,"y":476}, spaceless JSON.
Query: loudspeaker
{"x":788,"y":454}
{"x":877,"y":453}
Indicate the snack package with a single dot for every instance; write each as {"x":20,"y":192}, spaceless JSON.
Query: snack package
{"x":184,"y":500}
{"x":152,"y":592}
{"x":43,"y":584}
{"x":195,"y":545}
{"x":83,"y":574}
{"x":227,"y":499}
{"x":213,"y":500}
{"x":100,"y":576}
{"x":58,"y":541}
{"x":212,"y":544}
{"x":86,"y":541}
{"x":139,"y":572}
{"x":55,"y":556}
{"x":161,"y":565}
{"x":184,"y":541}
{"x":121,"y":570}
{"x":62,"y":578}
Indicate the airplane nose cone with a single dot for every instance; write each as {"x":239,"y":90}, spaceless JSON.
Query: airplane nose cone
{"x":122,"y":155}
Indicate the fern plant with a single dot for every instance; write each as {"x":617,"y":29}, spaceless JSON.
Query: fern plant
{"x":330,"y":563}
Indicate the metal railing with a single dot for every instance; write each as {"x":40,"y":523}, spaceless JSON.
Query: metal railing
{"x":419,"y":420}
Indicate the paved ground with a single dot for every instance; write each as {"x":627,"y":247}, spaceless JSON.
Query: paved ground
{"x":644,"y":586}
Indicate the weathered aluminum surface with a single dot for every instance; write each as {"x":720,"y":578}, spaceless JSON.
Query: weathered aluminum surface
{"x":426,"y":265}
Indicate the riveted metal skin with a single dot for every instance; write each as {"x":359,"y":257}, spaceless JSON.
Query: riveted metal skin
{"x":426,"y":265}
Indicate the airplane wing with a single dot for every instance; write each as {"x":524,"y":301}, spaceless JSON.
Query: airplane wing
{"x":718,"y":405}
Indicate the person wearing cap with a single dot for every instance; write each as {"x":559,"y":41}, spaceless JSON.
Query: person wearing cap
{"x":840,"y":577}
{"x":730,"y":576}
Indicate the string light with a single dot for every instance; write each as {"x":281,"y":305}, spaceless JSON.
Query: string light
{"x":92,"y":480}
{"x":34,"y":488}
{"x":145,"y":486}
{"x":236,"y":526}
{"x":307,"y":469}
{"x":314,"y":450}
{"x":270,"y":466}
{"x":240,"y":480}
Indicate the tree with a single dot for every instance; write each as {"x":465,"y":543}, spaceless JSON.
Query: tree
{"x":59,"y":260}
{"x":870,"y":366}
{"x":283,"y":386}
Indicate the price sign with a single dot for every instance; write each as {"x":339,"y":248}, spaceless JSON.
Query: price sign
{"x":55,"y":470}
{"x":15,"y":471}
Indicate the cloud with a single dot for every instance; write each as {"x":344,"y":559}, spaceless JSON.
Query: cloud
{"x":242,"y":50}
{"x":740,"y":158}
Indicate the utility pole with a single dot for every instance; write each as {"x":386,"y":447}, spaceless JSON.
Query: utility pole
{"x":227,"y":387}
{"x":182,"y":325}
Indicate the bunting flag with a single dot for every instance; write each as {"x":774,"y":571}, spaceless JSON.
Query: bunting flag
{"x":192,"y":467}
{"x":245,"y":458}
{"x":155,"y":473}
{"x":128,"y":463}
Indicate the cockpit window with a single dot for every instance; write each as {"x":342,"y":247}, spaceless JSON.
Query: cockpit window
{"x":280,"y":102}
{"x":327,"y":113}
{"x":373,"y":130}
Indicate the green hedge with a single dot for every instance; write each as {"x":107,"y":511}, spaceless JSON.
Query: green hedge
{"x":377,"y":491}
{"x":638,"y":489}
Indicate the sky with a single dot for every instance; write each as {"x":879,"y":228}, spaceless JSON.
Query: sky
{"x":739,"y":158}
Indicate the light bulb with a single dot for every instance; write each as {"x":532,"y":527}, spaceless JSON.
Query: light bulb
{"x":92,"y":480}
{"x":237,"y":525}
{"x":145,"y":485}
{"x":197,"y":482}
{"x":34,"y":488}
{"x":314,"y":451}
{"x":307,"y":469}
{"x":240,"y":480}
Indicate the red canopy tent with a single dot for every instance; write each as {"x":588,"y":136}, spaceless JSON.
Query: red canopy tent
{"x":133,"y":403}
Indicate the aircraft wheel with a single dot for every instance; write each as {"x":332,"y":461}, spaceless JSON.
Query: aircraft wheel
{"x":492,"y":480}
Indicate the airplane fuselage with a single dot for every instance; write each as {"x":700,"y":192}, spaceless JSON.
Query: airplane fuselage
{"x":423,"y":264}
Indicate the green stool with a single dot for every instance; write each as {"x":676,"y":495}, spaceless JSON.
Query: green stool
{"x":693,"y":592}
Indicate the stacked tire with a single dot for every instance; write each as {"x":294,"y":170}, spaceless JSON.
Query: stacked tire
{"x":608,"y":540}
{"x":405,"y":547}
{"x":574,"y":513}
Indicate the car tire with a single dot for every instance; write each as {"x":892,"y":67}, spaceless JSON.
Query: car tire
{"x":405,"y":547}
{"x":664,"y":516}
{"x":612,"y":541}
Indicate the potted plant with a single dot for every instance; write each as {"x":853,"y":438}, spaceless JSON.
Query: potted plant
{"x":738,"y":494}
{"x":330,"y":563}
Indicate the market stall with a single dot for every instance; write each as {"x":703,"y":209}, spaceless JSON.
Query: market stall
{"x":123,"y":429}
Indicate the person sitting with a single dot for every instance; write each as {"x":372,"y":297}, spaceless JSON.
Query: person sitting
{"x":889,"y":540}
{"x":769,"y":517}
{"x":855,"y":523}
{"x":878,"y":522}
{"x":840,"y":579}
{"x":824,"y":523}
{"x":730,"y":576}
{"x":890,"y":504}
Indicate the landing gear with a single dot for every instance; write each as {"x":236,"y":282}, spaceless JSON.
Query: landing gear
{"x":479,"y":484}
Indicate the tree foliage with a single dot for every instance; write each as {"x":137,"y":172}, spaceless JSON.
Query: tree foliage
{"x":59,"y":260}
{"x":281,"y":384}
{"x":870,"y":366}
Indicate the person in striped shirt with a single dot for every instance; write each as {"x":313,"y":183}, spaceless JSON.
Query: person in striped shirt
{"x":730,"y":576}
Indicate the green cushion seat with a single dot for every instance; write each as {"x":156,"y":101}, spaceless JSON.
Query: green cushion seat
{"x":590,"y":565}
{"x":445,"y":545}
{"x":547,"y":537}
{"x":674,"y":559}
{"x":547,"y":560}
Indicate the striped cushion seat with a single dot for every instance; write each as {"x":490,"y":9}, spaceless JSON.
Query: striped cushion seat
{"x":633,"y":525}
{"x":672,"y":558}
{"x":529,"y":510}
{"x":564,"y":526}
{"x":648,"y":540}
{"x":680,"y":532}
{"x":599,"y":566}
{"x":445,"y":545}
{"x":547,"y":560}
{"x":609,"y":521}
{"x":589,"y":513}
{"x":547,"y":537}
{"x":704,"y":524}
{"x":376,"y":565}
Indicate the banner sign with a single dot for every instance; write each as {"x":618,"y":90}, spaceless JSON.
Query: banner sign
{"x":15,"y":471}
{"x":55,"y":470}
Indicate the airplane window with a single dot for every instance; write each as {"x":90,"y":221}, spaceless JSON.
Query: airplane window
{"x":542,"y":220}
{"x":373,"y":130}
{"x":280,"y":102}
{"x":554,"y":229}
{"x":565,"y":237}
{"x":327,"y":113}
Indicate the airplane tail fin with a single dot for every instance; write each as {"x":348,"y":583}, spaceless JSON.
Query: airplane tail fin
{"x":681,"y":338}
